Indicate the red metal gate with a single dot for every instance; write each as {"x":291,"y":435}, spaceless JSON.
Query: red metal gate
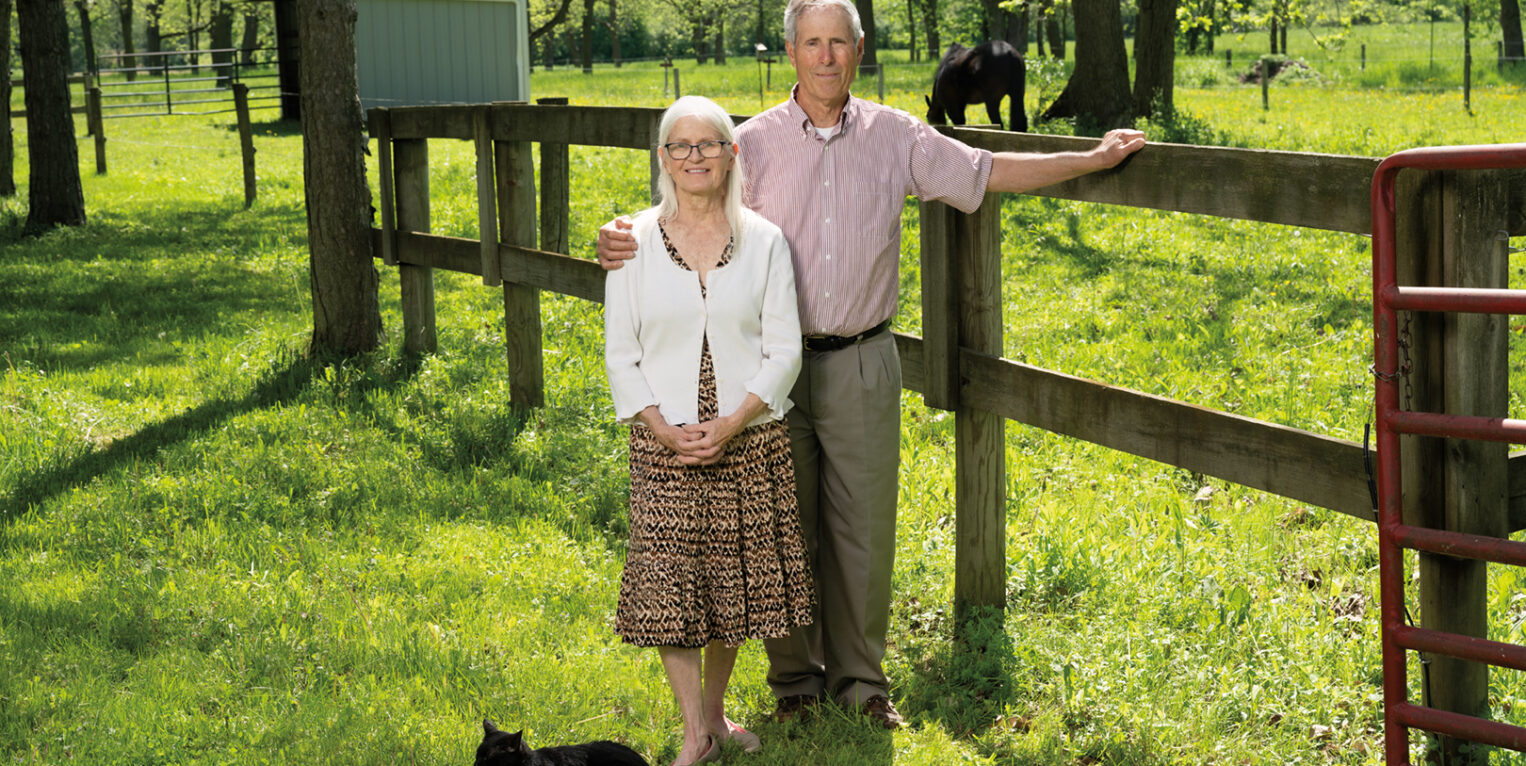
{"x":1388,"y":298}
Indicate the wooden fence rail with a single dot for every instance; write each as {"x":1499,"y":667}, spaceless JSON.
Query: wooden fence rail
{"x":957,"y":364}
{"x":1309,"y":190}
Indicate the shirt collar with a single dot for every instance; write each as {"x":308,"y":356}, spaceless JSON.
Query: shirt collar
{"x":798,"y":115}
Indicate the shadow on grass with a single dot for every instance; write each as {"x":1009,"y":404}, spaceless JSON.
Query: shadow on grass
{"x":964,"y":684}
{"x":282,"y":383}
{"x":1230,"y":282}
{"x":271,"y":127}
{"x":836,"y":737}
{"x":78,"y":298}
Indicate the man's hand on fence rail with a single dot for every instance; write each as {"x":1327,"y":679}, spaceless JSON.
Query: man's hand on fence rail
{"x":616,"y":243}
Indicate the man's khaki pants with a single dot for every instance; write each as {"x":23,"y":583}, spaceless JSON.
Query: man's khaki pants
{"x":845,"y":433}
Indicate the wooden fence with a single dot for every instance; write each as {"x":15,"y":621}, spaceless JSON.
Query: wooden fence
{"x":957,"y":364}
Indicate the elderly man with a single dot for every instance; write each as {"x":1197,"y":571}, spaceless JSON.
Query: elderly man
{"x":833,"y":171}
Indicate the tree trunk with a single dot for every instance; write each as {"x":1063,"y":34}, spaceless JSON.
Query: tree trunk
{"x":86,"y":34}
{"x":1039,"y":30}
{"x":153,"y":36}
{"x":761,"y":23}
{"x":288,"y":34}
{"x":54,"y":194}
{"x":346,"y":315}
{"x":587,"y":52}
{"x":193,"y":36}
{"x":129,"y":61}
{"x":1005,"y":25}
{"x":1154,"y":57}
{"x":1510,"y":26}
{"x":1210,"y":13}
{"x":911,"y":30}
{"x":720,"y":38}
{"x":548,"y":45}
{"x":551,"y":24}
{"x":1056,"y":30}
{"x":251,"y":38}
{"x":222,"y":40}
{"x":7,"y":140}
{"x":701,"y":47}
{"x":614,"y":31}
{"x":866,"y":16}
{"x":1097,"y":94}
{"x":1019,"y":30}
{"x":930,"y":22}
{"x":1273,"y":31}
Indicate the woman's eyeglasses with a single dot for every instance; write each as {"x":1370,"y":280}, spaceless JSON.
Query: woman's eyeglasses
{"x":707,"y":149}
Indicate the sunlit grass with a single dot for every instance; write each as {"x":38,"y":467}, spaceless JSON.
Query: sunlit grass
{"x":217,"y":551}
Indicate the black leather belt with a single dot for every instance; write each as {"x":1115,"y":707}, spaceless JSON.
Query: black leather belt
{"x":835,"y":342}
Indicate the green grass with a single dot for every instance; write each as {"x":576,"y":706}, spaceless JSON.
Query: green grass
{"x":216,"y":551}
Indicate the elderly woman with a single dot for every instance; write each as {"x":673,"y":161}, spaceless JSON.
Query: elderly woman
{"x":702,"y":345}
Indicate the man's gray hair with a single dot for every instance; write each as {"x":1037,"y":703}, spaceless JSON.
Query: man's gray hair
{"x":795,"y":8}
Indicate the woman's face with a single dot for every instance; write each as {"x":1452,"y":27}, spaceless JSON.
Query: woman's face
{"x":696,"y":174}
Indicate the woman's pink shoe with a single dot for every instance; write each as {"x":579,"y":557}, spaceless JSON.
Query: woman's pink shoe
{"x":749,"y":741}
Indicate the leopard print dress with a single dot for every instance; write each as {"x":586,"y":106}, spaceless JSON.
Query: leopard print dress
{"x":716,"y":552}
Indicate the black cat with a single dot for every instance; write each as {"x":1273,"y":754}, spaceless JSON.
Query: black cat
{"x":500,"y":748}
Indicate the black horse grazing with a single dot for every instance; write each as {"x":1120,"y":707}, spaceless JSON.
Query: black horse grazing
{"x":986,"y":73}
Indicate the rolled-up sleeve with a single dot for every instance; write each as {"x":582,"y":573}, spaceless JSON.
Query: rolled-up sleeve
{"x":622,"y":346}
{"x":947,"y":170}
{"x":781,"y":332}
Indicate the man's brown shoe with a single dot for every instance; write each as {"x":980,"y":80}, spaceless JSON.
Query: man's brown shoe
{"x":880,"y":710}
{"x":796,"y":707}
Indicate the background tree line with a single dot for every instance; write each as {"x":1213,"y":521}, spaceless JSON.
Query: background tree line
{"x":580,"y":32}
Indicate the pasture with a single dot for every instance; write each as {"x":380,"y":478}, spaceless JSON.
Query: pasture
{"x":217,"y":551}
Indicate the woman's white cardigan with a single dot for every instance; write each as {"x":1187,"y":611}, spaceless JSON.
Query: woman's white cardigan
{"x":655,"y":321}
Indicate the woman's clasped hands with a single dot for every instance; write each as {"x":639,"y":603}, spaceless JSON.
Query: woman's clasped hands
{"x":694,"y":443}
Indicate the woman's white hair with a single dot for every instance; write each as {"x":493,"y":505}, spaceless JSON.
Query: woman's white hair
{"x":714,"y":116}
{"x":795,"y":8}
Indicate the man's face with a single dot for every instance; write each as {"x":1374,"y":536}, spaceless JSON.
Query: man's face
{"x":825,"y":55}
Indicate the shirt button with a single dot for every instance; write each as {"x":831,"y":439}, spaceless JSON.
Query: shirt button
{"x":829,"y":295}
{"x":826,"y":183}
{"x":827,"y":221}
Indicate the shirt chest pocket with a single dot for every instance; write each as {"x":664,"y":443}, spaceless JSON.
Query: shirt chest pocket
{"x":873,"y":214}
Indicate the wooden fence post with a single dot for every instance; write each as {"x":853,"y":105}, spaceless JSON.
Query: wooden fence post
{"x":1451,"y":234}
{"x":245,"y":141}
{"x":97,"y":125}
{"x":1467,"y":58}
{"x":980,"y":530}
{"x":487,"y":200}
{"x":410,"y":159}
{"x":555,"y":190}
{"x":521,"y":304}
{"x":87,"y":84}
{"x":940,"y":303}
{"x":654,"y":162}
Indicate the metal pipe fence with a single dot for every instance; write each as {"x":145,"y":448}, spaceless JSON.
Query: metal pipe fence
{"x":177,"y":82}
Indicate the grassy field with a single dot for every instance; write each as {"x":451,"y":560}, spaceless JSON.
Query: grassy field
{"x":217,"y":551}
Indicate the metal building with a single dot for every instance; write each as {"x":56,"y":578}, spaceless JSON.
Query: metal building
{"x":411,"y":52}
